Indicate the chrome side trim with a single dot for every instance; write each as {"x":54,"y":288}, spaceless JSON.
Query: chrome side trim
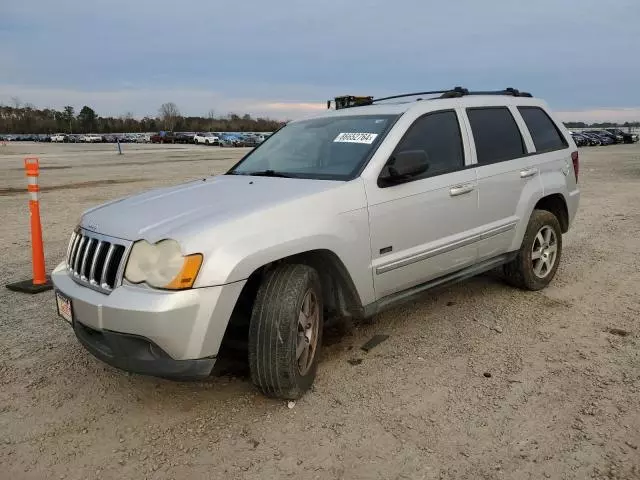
{"x":463,"y":242}
{"x":404,"y":295}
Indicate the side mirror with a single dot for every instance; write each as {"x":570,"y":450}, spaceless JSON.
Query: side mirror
{"x":406,"y":164}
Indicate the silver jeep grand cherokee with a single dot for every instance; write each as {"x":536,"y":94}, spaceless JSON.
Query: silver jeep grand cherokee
{"x":343,"y":214}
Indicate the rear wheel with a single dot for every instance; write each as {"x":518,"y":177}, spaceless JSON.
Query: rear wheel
{"x":285,"y":333}
{"x":539,"y":256}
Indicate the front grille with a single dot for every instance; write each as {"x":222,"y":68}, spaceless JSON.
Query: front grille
{"x":96,"y":260}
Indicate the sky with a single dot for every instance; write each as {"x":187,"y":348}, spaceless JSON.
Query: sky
{"x":284,"y":58}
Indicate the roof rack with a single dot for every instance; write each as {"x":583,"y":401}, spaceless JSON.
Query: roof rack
{"x":348,"y":101}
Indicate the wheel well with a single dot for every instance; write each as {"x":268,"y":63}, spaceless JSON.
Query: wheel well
{"x":338,"y":290}
{"x":557,"y":205}
{"x":339,"y":293}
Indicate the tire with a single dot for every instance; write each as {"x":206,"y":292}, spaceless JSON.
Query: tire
{"x":275,"y":333}
{"x":207,"y":142}
{"x":531,"y":273}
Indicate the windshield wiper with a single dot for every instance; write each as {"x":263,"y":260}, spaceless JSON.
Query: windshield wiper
{"x":268,"y":173}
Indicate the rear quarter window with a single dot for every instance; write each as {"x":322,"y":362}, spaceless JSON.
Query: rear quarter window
{"x":545,"y":134}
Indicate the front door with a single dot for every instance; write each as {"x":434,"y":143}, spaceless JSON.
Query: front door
{"x":423,"y":228}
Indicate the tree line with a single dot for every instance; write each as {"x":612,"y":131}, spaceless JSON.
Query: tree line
{"x":26,"y":118}
{"x":19,"y":118}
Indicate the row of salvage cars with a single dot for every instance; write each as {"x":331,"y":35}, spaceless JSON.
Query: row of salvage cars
{"x":608,"y":136}
{"x":223,"y":139}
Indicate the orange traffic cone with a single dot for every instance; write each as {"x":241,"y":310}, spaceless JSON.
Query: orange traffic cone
{"x":40,"y":281}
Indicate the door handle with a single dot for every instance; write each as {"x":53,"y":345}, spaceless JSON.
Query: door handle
{"x":528,"y":172}
{"x":461,"y":189}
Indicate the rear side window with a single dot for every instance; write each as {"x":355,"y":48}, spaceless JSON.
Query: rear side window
{"x":546,"y":136}
{"x":438,"y":135}
{"x":496,"y":134}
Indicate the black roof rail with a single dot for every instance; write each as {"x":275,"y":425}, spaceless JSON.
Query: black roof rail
{"x":348,"y":101}
{"x":507,"y":91}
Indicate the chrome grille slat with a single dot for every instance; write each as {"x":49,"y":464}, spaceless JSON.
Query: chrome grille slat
{"x":92,"y":272}
{"x":74,"y":249}
{"x":107,"y":260}
{"x":97,"y":261}
{"x":85,"y":257}
{"x":70,"y":247}
{"x":76,"y":262}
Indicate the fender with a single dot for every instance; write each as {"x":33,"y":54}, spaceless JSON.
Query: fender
{"x":290,"y":229}
{"x":549,"y":182}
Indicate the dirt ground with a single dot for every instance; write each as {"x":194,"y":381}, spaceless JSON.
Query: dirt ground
{"x":475,"y":381}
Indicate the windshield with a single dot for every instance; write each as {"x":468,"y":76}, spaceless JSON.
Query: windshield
{"x":331,"y":148}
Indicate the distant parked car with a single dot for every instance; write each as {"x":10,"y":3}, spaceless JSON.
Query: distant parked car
{"x":143,"y":138}
{"x":580,"y":139}
{"x":227,"y":140}
{"x":594,"y":140}
{"x":626,"y":136}
{"x":58,"y":137}
{"x":207,"y":138}
{"x":604,"y":133}
{"x":605,"y":139}
{"x":184,"y":137}
{"x":91,"y":138}
{"x":250,"y":141}
{"x":163,"y":137}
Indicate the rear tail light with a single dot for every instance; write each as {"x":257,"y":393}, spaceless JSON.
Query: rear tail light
{"x":576,"y":163}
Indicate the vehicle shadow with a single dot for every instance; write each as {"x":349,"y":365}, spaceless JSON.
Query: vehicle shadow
{"x":339,"y":334}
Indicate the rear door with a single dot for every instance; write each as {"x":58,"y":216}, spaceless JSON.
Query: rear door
{"x":551,"y":155}
{"x":423,"y":228}
{"x":504,"y":171}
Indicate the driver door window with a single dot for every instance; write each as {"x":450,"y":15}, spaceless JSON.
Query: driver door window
{"x":438,"y":135}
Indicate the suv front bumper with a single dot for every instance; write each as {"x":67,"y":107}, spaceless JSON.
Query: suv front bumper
{"x":153,"y":332}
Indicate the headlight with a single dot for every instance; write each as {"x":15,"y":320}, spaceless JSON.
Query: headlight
{"x":162,"y":265}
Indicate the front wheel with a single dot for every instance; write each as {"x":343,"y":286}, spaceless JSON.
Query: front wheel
{"x":539,"y":256}
{"x":285,"y":332}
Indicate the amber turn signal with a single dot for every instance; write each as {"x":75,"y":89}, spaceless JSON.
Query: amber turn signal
{"x":188,"y":273}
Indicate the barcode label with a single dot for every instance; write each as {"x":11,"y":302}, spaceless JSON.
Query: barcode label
{"x":367,"y":138}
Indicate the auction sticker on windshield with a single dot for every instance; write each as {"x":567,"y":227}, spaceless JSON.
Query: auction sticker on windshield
{"x":353,"y":137}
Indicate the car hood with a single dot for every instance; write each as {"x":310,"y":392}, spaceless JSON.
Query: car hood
{"x":170,"y":212}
